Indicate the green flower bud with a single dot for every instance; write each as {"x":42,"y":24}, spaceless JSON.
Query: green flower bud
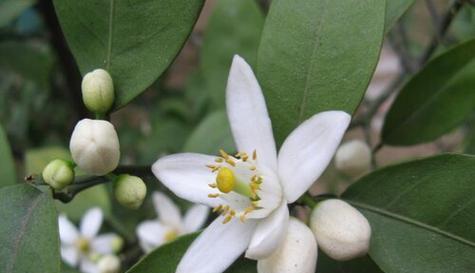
{"x":58,"y":174}
{"x":130,"y":191}
{"x":98,"y":91}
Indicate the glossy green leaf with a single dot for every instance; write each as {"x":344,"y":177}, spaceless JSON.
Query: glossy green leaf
{"x":436,"y":100}
{"x":212,"y":134}
{"x":358,"y":265}
{"x":29,"y":240}
{"x":234,"y":27}
{"x":165,"y":259}
{"x":7,"y":167}
{"x":134,"y":40}
{"x":394,"y":10}
{"x":317,"y":55}
{"x":11,"y":9}
{"x":421,"y":214}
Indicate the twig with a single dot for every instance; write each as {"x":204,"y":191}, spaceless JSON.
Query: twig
{"x":433,"y":13}
{"x":441,"y":30}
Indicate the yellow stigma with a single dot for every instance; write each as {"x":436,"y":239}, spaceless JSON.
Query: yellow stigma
{"x":225,"y":180}
{"x":82,"y":245}
{"x":171,"y":235}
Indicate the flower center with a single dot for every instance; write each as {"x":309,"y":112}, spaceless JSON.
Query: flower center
{"x":236,"y":174}
{"x":171,"y":235}
{"x":82,"y":244}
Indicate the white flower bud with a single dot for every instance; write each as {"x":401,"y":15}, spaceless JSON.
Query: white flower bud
{"x":296,"y":254}
{"x":95,"y":146}
{"x":109,"y":264}
{"x":130,"y":191}
{"x":342,"y":232}
{"x":353,"y":158}
{"x":58,"y":174}
{"x":98,"y":91}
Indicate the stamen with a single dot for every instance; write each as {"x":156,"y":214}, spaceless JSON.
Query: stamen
{"x":212,"y":185}
{"x":219,"y":160}
{"x":223,"y":154}
{"x":254,"y":155}
{"x":213,"y":195}
{"x":230,"y":162}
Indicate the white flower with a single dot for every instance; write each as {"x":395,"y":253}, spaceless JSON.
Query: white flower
{"x":353,"y":158}
{"x":342,"y":232}
{"x":82,"y":247}
{"x":251,"y":190}
{"x":95,"y":147}
{"x":169,"y":224}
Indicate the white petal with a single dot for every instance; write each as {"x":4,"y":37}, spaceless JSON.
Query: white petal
{"x":167,"y":211}
{"x":217,"y":247}
{"x":195,"y":218}
{"x":104,"y":244}
{"x":269,"y":233}
{"x":87,"y":266}
{"x":308,"y":150}
{"x":187,"y":176}
{"x":247,"y":113}
{"x":70,"y":255}
{"x":296,"y":254}
{"x":91,"y":222}
{"x":68,"y":233}
{"x":151,"y":234}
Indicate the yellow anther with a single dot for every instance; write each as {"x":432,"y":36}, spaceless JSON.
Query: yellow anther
{"x":227,"y":219}
{"x":218,"y":208}
{"x":225,"y":180}
{"x":213,"y":195}
{"x":171,"y":235}
{"x":254,"y":155}
{"x":230,"y":162}
{"x":252,"y":168}
{"x":219,"y":160}
{"x":223,"y":154}
{"x":213,"y":185}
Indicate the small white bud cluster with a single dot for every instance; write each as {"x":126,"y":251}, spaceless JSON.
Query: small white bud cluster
{"x":342,"y":232}
{"x":353,"y":158}
{"x":130,"y":191}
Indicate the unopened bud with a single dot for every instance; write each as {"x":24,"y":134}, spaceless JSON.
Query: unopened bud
{"x":296,"y":253}
{"x":58,"y":174}
{"x":342,"y":232}
{"x":353,"y":158}
{"x":130,"y":191}
{"x":109,"y":264}
{"x":98,"y":91}
{"x":95,"y":146}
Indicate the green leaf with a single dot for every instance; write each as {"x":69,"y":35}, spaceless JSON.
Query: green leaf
{"x":29,"y":240}
{"x":165,"y":259}
{"x":421,"y":214}
{"x":234,"y":27}
{"x":7,"y":167}
{"x":11,"y":9}
{"x":134,"y":40}
{"x":358,"y":265}
{"x":435,"y":100}
{"x":394,"y":10}
{"x":212,"y":134}
{"x":317,"y":55}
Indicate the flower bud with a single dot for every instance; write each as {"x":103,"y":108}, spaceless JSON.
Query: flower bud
{"x":109,"y":264}
{"x":296,"y":254}
{"x":353,"y":158}
{"x":58,"y":174}
{"x":130,"y":191}
{"x":342,"y":232}
{"x":98,"y":91}
{"x":95,"y":147}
